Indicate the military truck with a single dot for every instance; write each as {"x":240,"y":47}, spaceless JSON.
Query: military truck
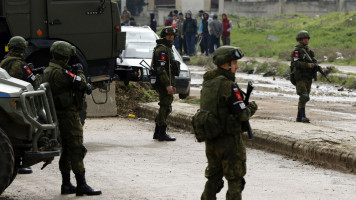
{"x":28,"y":127}
{"x":92,"y":26}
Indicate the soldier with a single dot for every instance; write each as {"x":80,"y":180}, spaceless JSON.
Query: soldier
{"x":303,"y":72}
{"x":226,"y":152}
{"x":166,"y":68}
{"x":68,"y":84}
{"x":15,"y":64}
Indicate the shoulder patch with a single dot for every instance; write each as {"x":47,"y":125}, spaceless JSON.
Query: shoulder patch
{"x":27,"y":69}
{"x":163,"y":56}
{"x":237,"y":93}
{"x":296,"y":55}
{"x":69,"y":73}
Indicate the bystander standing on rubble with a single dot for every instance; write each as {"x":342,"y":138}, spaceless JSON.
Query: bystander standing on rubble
{"x":216,"y":29}
{"x":227,"y":27}
{"x":125,"y":17}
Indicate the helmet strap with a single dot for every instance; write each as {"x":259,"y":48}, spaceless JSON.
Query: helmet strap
{"x":230,"y":66}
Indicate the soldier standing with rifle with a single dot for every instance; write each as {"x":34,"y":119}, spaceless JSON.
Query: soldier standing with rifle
{"x":68,"y":85}
{"x":304,"y":68}
{"x":166,"y":67}
{"x":15,"y":64}
{"x":226,"y":152}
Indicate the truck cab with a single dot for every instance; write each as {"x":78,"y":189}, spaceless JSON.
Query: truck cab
{"x":92,"y":26}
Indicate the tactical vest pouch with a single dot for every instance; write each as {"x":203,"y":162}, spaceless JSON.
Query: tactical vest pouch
{"x":292,"y":75}
{"x":206,"y":122}
{"x":176,"y":68}
{"x":154,"y":79}
{"x":63,"y":100}
{"x":79,"y":99}
{"x":206,"y":125}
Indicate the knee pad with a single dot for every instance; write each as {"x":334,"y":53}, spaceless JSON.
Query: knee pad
{"x":215,"y":185}
{"x":220,"y":186}
{"x":82,"y":151}
{"x":305,"y":97}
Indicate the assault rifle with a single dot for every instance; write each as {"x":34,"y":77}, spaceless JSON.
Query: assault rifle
{"x":316,"y":69}
{"x":246,"y":101}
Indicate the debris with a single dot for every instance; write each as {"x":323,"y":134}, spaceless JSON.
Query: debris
{"x":250,"y":71}
{"x":339,"y":56}
{"x":273,"y":38}
{"x":341,"y":89}
{"x":269,"y":73}
{"x":325,"y":58}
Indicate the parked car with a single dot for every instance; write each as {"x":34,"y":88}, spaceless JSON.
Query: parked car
{"x":135,"y":33}
{"x":134,"y":62}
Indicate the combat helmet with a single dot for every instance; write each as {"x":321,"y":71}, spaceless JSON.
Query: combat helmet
{"x":302,"y":35}
{"x":17,"y":43}
{"x":168,"y":30}
{"x":62,"y":50}
{"x":226,"y":54}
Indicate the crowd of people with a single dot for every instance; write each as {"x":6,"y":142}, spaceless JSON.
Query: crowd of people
{"x":204,"y":31}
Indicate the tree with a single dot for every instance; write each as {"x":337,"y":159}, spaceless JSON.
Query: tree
{"x":135,"y":6}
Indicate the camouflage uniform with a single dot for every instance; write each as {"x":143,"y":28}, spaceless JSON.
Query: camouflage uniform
{"x":71,"y":131}
{"x":166,"y":69}
{"x":303,"y":74}
{"x":226,"y":153}
{"x":15,"y":64}
{"x":68,"y":85}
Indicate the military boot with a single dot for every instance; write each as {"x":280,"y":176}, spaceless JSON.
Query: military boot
{"x":163,"y":136}
{"x":67,"y":187}
{"x":300,"y":115}
{"x":156,"y":133}
{"x":304,"y":118}
{"x":83,"y":187}
{"x":25,"y":170}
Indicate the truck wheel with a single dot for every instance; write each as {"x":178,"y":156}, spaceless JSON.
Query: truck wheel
{"x":7,"y":161}
{"x":183,"y":96}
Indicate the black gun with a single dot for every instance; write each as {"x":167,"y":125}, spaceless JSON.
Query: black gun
{"x":316,"y":69}
{"x":246,"y":101}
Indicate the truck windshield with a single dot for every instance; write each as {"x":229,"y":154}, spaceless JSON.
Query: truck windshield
{"x":142,"y":50}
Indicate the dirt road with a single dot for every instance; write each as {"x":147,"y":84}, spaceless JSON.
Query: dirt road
{"x":125,"y":163}
{"x":277,"y":99}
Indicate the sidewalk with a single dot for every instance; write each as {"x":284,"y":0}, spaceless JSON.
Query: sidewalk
{"x":323,"y":146}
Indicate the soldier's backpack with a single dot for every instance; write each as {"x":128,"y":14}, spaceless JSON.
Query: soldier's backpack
{"x":206,"y":122}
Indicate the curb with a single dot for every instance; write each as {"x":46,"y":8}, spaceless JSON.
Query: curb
{"x":325,"y":156}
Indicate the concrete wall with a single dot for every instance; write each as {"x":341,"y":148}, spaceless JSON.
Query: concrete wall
{"x":252,"y":8}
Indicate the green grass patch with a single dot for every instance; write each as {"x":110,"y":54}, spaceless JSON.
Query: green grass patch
{"x":192,"y":101}
{"x":266,"y":68}
{"x":205,"y":61}
{"x":330,"y":33}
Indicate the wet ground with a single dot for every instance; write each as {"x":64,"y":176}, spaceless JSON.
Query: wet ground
{"x":277,"y":99}
{"x":126,"y":164}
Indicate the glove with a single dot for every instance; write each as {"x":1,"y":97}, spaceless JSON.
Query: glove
{"x":313,"y":65}
{"x":77,"y":67}
{"x":252,"y":106}
{"x":88,"y":89}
